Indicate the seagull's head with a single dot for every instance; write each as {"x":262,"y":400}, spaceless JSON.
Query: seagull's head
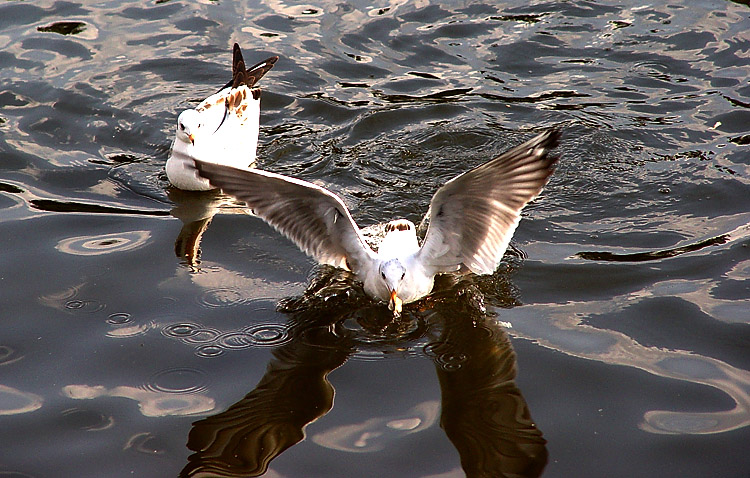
{"x":393,"y":273}
{"x":188,"y":124}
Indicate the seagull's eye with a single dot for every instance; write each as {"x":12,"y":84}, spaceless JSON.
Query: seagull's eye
{"x":182,"y":127}
{"x":403,"y":275}
{"x":382,"y":274}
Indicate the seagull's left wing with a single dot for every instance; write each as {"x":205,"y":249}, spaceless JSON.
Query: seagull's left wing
{"x":315,"y":219}
{"x":473,"y":216}
{"x":249,"y":77}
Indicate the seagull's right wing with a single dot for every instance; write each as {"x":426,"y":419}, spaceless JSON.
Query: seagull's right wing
{"x":315,"y":219}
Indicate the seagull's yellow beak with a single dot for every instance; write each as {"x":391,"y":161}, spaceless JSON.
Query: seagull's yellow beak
{"x":395,"y":304}
{"x":191,"y":137}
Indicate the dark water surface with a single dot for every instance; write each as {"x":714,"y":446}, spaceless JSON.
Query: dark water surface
{"x":613,"y":341}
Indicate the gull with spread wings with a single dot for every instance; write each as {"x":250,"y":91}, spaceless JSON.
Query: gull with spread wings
{"x":472,"y":218}
{"x":222,"y":129}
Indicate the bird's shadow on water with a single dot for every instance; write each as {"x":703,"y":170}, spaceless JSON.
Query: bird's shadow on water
{"x":483,"y":412}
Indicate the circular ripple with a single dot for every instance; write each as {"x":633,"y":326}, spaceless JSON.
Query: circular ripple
{"x":80,"y":419}
{"x":104,"y":243}
{"x":222,"y":297}
{"x":178,"y":380}
{"x":8,"y":355}
{"x":119,"y":318}
{"x":236,"y":340}
{"x":451,"y":361}
{"x":209,"y":351}
{"x":448,"y":360}
{"x":653,"y":69}
{"x":89,"y":306}
{"x":181,"y":330}
{"x":145,"y":443}
{"x":267,"y":335}
{"x":202,"y":336}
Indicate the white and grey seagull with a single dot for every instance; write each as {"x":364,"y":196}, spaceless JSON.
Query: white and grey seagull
{"x":223,"y":128}
{"x":472,"y":218}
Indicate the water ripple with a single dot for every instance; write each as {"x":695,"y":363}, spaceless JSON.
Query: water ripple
{"x":89,"y":306}
{"x":181,"y":330}
{"x":195,"y":334}
{"x":377,"y":336}
{"x":119,"y":318}
{"x":89,"y":420}
{"x":103,"y":243}
{"x":144,"y":443}
{"x":9,"y":355}
{"x":209,"y":351}
{"x":448,"y":361}
{"x":218,"y":297}
{"x":268,"y":335}
{"x":653,"y":69}
{"x":236,"y":340}
{"x":203,"y":336}
{"x":214,"y":342}
{"x":178,"y":380}
{"x":14,"y":401}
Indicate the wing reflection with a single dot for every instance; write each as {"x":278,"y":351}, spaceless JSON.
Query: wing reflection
{"x":483,"y":412}
{"x":244,"y":439}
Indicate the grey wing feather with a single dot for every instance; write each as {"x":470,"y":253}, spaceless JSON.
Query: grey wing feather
{"x":473,"y":216}
{"x":316,"y":220}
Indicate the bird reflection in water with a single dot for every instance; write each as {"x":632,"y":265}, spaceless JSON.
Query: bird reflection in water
{"x":483,"y":412}
{"x":196,"y":209}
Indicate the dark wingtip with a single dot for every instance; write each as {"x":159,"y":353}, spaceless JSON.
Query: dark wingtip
{"x":550,"y":142}
{"x":552,"y":138}
{"x":248,"y":77}
{"x":256,"y":72}
{"x":237,"y":60}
